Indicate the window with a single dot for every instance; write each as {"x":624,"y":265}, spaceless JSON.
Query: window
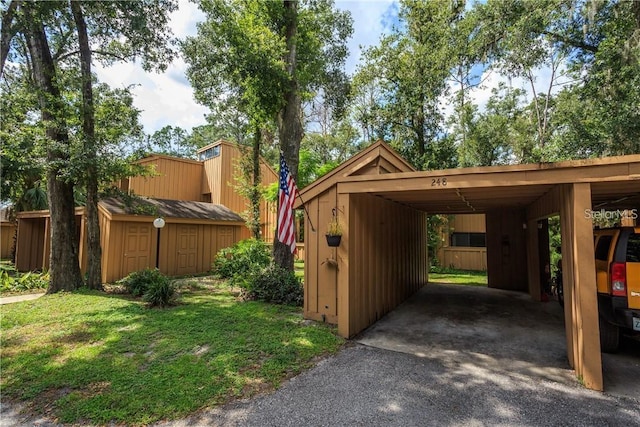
{"x":602,"y":250}
{"x":209,"y":153}
{"x":633,"y":248}
{"x":473,"y":240}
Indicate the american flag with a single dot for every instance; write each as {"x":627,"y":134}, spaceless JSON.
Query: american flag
{"x":286,"y":198}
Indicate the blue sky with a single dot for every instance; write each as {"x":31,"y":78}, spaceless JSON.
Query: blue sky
{"x":167,"y":98}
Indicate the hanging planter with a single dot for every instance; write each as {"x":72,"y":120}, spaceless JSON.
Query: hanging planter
{"x":334,"y":231}
{"x":333,"y":240}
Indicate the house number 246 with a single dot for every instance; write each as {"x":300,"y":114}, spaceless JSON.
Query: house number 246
{"x":438,"y":182}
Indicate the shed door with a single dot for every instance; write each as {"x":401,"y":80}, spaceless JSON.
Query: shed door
{"x":137,"y":248}
{"x":187,"y":249}
{"x":225,"y":237}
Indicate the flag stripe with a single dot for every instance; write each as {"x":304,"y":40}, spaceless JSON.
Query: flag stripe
{"x":286,"y":198}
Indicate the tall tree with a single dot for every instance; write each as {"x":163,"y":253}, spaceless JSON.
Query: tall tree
{"x":412,"y":65}
{"x":594,"y":46}
{"x":269,"y":56}
{"x":114,"y":30}
{"x":64,"y":268}
{"x":94,"y":250}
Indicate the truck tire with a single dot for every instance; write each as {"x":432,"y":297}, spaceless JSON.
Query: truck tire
{"x":609,"y":336}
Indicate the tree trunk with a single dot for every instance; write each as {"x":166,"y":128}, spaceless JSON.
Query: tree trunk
{"x":289,"y":122}
{"x":94,"y":268}
{"x":64,"y":268}
{"x":256,"y":228}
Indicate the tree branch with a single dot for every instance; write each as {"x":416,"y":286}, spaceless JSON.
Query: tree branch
{"x":97,"y":52}
{"x":8,"y":31}
{"x":571,"y":42}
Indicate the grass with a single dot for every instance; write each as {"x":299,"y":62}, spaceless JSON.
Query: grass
{"x":298,"y":268}
{"x":103,"y":358}
{"x":459,"y":277}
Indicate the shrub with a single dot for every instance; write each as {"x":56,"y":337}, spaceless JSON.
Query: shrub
{"x":24,"y":282}
{"x":276,"y":285}
{"x":160,"y":293}
{"x":138,"y":282}
{"x":242,"y":260}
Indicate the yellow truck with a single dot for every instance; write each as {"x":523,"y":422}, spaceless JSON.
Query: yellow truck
{"x":617,"y":253}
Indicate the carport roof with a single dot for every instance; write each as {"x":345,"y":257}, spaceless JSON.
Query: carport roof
{"x":615,"y":184}
{"x":183,"y":209}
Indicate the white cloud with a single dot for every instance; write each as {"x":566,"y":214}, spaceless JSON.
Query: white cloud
{"x":368,"y":26}
{"x":164,"y":98}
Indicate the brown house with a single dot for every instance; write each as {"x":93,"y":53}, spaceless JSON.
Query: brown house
{"x":198,"y":200}
{"x":464,"y":243}
{"x":381,"y":260}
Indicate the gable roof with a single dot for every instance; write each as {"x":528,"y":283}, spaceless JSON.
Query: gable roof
{"x":378,"y":155}
{"x":174,"y":209}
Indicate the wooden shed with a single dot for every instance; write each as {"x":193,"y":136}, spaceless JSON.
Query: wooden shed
{"x":381,"y":260}
{"x":193,"y":233}
{"x":8,"y":228}
{"x":33,"y":238}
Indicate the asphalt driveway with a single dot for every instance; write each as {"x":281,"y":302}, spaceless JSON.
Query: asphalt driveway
{"x":450,"y":355}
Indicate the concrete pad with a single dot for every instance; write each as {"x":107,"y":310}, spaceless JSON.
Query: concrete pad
{"x":490,"y":330}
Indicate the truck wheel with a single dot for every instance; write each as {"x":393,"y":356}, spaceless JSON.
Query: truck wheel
{"x":609,"y":336}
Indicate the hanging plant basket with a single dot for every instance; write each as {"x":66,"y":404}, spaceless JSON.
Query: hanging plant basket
{"x":333,"y":241}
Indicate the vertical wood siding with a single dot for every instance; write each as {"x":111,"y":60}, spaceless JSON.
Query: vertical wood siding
{"x":185,"y":248}
{"x":506,"y":249}
{"x":464,"y":258}
{"x":175,"y":179}
{"x":388,"y":253}
{"x":221,"y":179}
{"x":321,"y":279}
{"x":7,"y":235}
{"x":382,"y":259}
{"x":30,"y":244}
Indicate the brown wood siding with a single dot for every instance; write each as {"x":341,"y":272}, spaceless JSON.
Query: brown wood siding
{"x":213,"y":178}
{"x":474,"y":223}
{"x":30,"y":245}
{"x":220,"y":174}
{"x":191,"y":249}
{"x":7,"y":239}
{"x":506,"y":249}
{"x":176,"y":179}
{"x":185,"y":247}
{"x":464,"y":258}
{"x":388,"y":249}
{"x":321,"y":280}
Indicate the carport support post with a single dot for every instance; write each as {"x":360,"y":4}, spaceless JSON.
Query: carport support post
{"x":581,"y":305}
{"x":344,"y":297}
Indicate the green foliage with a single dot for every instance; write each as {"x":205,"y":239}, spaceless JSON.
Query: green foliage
{"x":276,"y":285}
{"x":160,"y":292}
{"x":239,"y":262}
{"x":23,"y":282}
{"x":59,"y":354}
{"x":434,"y":225}
{"x":139,"y":282}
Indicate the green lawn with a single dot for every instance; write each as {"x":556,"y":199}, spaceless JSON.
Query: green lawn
{"x":101,"y":358}
{"x":460,"y":277}
{"x":298,"y":268}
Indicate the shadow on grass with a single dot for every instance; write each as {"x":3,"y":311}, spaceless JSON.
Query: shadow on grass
{"x":89,"y":356}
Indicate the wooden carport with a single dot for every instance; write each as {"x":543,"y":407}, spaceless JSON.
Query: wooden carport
{"x":382,"y":257}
